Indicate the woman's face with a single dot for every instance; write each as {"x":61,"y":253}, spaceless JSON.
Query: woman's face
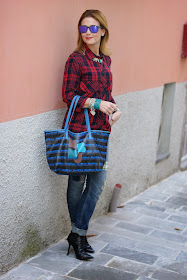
{"x":92,"y":38}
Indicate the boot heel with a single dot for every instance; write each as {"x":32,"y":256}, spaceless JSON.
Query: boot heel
{"x":78,"y":243}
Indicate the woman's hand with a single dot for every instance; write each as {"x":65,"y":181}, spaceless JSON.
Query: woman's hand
{"x":107,"y":107}
{"x":115,"y":117}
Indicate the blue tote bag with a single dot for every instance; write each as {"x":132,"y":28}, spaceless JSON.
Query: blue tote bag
{"x":76,"y":153}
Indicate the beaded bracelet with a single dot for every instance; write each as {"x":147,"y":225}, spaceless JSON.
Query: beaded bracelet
{"x":91,"y":106}
{"x":97,"y":104}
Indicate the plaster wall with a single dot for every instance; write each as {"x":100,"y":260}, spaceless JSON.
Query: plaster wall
{"x":33,"y":199}
{"x":38,"y":36}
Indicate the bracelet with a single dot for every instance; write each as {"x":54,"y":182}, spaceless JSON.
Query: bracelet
{"x":97,"y":104}
{"x":91,"y":106}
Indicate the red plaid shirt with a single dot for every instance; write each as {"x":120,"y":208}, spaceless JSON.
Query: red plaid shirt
{"x":87,"y":78}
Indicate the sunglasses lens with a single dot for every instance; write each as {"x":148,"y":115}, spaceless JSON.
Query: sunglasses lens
{"x":94,"y":28}
{"x":82,"y":29}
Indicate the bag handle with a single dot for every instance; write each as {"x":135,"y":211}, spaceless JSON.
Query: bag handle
{"x":70,"y":111}
{"x":75,"y":105}
{"x":70,"y":115}
{"x":87,"y":122}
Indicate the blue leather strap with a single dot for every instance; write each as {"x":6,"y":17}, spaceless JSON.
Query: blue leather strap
{"x":69,"y":112}
{"x":70,"y":115}
{"x":87,"y":122}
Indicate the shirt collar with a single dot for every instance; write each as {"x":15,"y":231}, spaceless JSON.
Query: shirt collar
{"x":90,"y":54}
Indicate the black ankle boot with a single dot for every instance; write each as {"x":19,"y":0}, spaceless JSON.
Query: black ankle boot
{"x":87,"y":247}
{"x":78,"y":243}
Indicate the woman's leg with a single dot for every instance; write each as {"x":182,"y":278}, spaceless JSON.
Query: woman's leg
{"x":74,"y":192}
{"x":87,"y":202}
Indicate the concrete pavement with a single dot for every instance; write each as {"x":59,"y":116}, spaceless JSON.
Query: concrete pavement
{"x":146,"y":239}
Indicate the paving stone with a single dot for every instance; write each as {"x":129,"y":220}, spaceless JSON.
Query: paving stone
{"x":184,"y":189}
{"x":177,"y":212}
{"x":57,"y":262}
{"x":106,"y":220}
{"x":169,"y":236}
{"x":131,"y":266}
{"x":144,"y":278}
{"x":151,"y":190}
{"x":172,"y":189}
{"x":55,"y":276}
{"x":148,"y":205}
{"x":52,"y":276}
{"x":102,"y":258}
{"x":164,"y":185}
{"x":162,"y":205}
{"x":136,"y":202}
{"x":184,"y":232}
{"x":92,"y":271}
{"x":177,"y":193}
{"x":125,"y":215}
{"x":177,"y":201}
{"x":96,"y":244}
{"x":179,"y":267}
{"x":117,"y":240}
{"x":152,"y":212}
{"x":135,"y":228}
{"x":179,"y":178}
{"x":155,"y":249}
{"x":167,"y":275}
{"x":70,"y":278}
{"x":184,"y":208}
{"x":157,"y":223}
{"x":129,"y":254}
{"x":155,"y":195}
{"x":182,"y":257}
{"x":94,"y":232}
{"x":24,"y":272}
{"x":60,"y":246}
{"x":141,"y":197}
{"x":162,"y":262}
{"x":154,"y":207}
{"x":178,"y":219}
{"x":126,"y":207}
{"x":134,"y":236}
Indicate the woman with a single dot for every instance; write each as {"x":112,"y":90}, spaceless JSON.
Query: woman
{"x":87,"y":73}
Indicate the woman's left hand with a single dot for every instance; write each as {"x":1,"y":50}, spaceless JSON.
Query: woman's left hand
{"x":115,"y":117}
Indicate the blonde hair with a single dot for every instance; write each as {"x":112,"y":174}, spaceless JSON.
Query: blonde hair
{"x":97,"y":15}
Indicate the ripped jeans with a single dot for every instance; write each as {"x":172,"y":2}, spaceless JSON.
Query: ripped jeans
{"x":82,"y":201}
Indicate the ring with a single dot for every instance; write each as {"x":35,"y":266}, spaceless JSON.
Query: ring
{"x":116,"y":110}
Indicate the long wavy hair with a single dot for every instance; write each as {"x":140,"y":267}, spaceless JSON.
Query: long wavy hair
{"x":97,"y":15}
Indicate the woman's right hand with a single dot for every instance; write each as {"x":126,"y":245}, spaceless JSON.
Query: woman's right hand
{"x":107,"y":107}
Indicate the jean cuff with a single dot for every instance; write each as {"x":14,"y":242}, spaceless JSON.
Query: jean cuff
{"x":81,"y":232}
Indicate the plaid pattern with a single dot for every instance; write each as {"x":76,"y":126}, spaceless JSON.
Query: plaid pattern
{"x":89,"y":79}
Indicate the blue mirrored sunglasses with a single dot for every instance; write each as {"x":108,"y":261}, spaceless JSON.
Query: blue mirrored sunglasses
{"x":93,"y":28}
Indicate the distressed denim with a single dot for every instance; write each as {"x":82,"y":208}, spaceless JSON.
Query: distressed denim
{"x":82,"y":201}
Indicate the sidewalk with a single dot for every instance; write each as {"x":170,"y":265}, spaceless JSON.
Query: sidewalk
{"x":146,"y":239}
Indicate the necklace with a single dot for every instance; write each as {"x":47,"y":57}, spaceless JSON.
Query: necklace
{"x":100,"y":60}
